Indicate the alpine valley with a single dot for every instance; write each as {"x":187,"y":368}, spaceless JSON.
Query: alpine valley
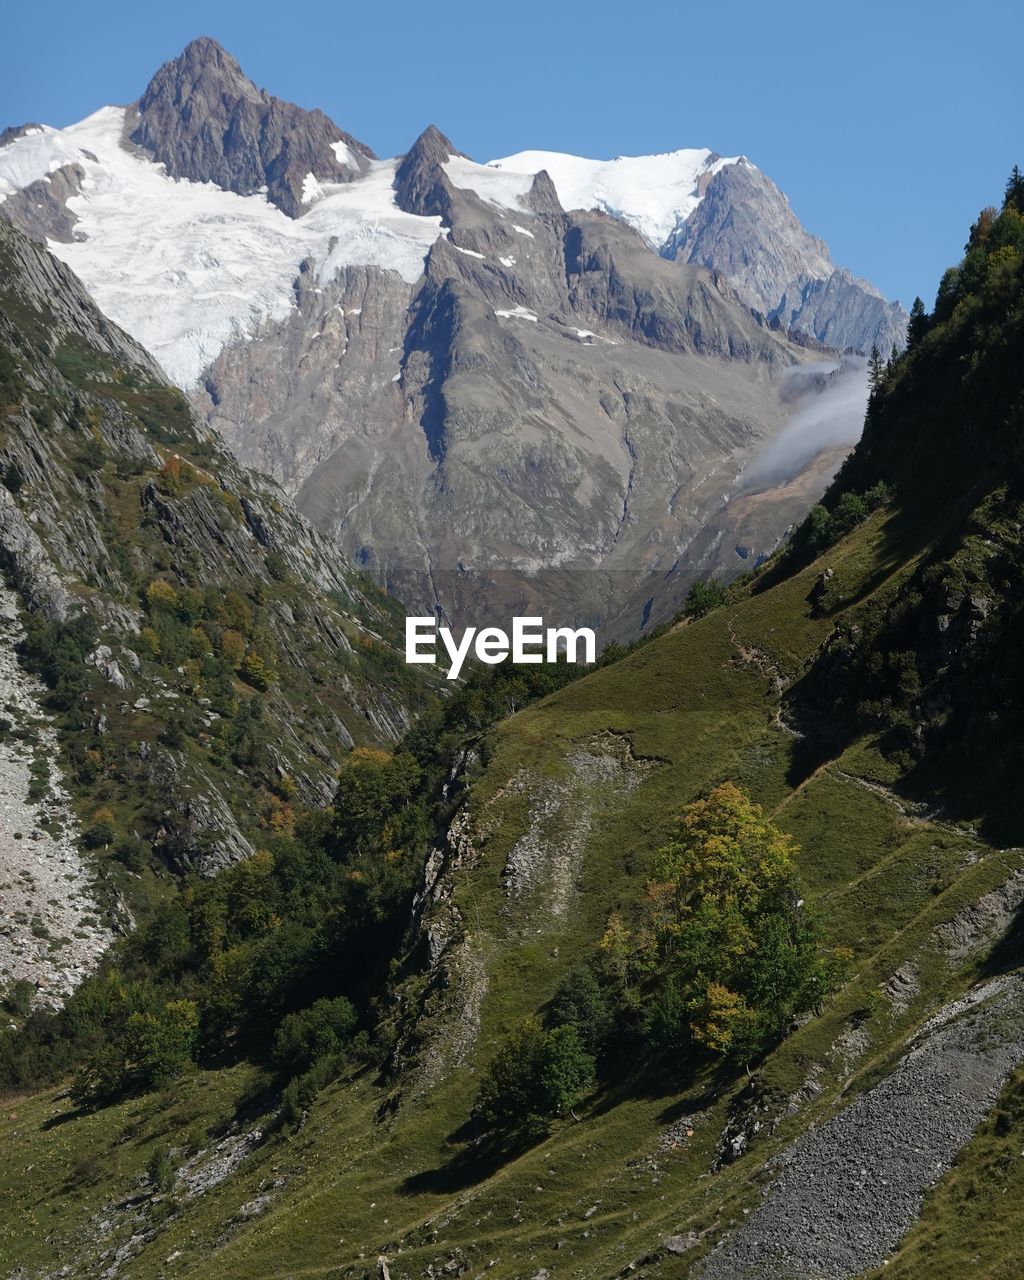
{"x":704,"y":961}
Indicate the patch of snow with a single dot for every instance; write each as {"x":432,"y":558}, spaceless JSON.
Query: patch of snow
{"x":522,"y":231}
{"x":507,"y":262}
{"x":490,"y":182}
{"x":470,"y":253}
{"x":651,"y":193}
{"x":186,"y":267}
{"x":311,"y":189}
{"x":517,"y":313}
{"x":343,"y":155}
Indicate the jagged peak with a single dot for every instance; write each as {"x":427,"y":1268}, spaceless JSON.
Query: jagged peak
{"x":204,"y":62}
{"x":433,"y":146}
{"x":421,"y":185}
{"x":205,"y":120}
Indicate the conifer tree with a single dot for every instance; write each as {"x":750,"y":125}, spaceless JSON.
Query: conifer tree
{"x":1014,"y":198}
{"x":917,"y":326}
{"x":876,"y":369}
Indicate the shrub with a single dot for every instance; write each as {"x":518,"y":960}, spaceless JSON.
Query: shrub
{"x":19,"y":997}
{"x":101,"y":830}
{"x":581,"y":1002}
{"x":161,"y":593}
{"x":702,"y":598}
{"x":255,"y":670}
{"x":160,"y":1169}
{"x":536,"y":1076}
{"x":323,"y":1030}
{"x":159,"y":1045}
{"x":301,"y":1093}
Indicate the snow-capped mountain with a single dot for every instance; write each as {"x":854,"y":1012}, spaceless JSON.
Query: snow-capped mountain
{"x":535,"y":362}
{"x":724,"y":213}
{"x":187,"y":267}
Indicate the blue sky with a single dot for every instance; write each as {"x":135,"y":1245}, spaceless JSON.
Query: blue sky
{"x":887,"y":125}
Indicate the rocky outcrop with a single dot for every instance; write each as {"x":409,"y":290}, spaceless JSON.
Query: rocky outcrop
{"x":421,"y":185}
{"x":745,"y":228}
{"x":25,"y":558}
{"x":111,"y":483}
{"x":56,"y":921}
{"x":41,"y":209}
{"x":203,"y":119}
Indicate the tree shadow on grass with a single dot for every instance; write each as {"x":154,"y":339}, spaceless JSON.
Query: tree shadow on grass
{"x":64,"y":1117}
{"x":478,"y":1160}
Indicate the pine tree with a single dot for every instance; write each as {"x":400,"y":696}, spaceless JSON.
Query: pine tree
{"x":876,"y":370}
{"x":917,"y":326}
{"x":1014,"y":198}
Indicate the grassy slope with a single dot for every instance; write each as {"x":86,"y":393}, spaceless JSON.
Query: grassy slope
{"x":702,"y":704}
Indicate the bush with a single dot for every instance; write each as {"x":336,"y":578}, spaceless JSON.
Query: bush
{"x":101,"y":831}
{"x":19,"y":997}
{"x":56,"y":652}
{"x":131,"y":853}
{"x":702,"y":598}
{"x":324,"y":1029}
{"x":255,"y":670}
{"x":300,"y":1095}
{"x":580,"y":1002}
{"x":160,"y":1169}
{"x":537,"y":1076}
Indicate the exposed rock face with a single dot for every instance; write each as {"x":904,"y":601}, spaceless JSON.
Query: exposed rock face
{"x":552,"y":396}
{"x":205,"y":120}
{"x":745,"y":228}
{"x":41,"y":209}
{"x":53,"y":930}
{"x":421,"y":185}
{"x":458,"y":378}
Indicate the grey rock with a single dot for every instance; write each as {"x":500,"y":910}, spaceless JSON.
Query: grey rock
{"x":204,"y":120}
{"x":745,"y":228}
{"x":106,"y":664}
{"x":846,"y":1192}
{"x":40,"y":209}
{"x":455,"y":446}
{"x":25,"y":558}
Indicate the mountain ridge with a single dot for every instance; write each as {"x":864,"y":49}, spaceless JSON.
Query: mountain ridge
{"x":304,"y":341}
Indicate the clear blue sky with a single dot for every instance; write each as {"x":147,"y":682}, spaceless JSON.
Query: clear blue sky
{"x":887,"y":125}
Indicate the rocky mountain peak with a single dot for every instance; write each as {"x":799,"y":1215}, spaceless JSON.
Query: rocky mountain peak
{"x":202,"y":68}
{"x":204,"y":120}
{"x":421,"y":185}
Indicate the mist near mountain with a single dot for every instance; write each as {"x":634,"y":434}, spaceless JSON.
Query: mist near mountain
{"x":833,"y":417}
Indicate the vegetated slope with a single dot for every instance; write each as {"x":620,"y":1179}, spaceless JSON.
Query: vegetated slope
{"x":207,"y":656}
{"x":908,"y":860}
